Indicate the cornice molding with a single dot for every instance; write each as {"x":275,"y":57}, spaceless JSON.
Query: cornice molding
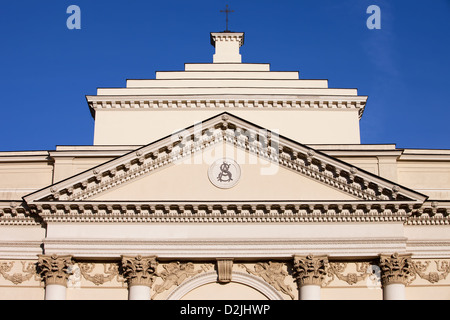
{"x":412,"y":214}
{"x":225,"y":212}
{"x":431,"y":213}
{"x":227,"y":36}
{"x":227,"y":102}
{"x":14,"y":213}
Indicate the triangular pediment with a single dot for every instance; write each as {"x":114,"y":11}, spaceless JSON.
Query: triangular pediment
{"x":272,"y":168}
{"x":198,"y":177}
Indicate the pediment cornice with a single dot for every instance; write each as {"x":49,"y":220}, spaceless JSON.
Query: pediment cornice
{"x":226,"y":128}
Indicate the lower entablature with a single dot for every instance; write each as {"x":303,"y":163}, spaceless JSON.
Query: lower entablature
{"x":257,"y":279}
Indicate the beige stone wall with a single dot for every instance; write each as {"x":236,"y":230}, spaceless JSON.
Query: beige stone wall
{"x":304,"y":126}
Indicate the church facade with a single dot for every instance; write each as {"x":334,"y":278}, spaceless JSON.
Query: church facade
{"x":225,"y":181}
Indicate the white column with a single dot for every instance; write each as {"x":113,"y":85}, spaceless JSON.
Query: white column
{"x":139,"y":292}
{"x":309,"y":292}
{"x":394,"y":291}
{"x":139,"y":272}
{"x":55,"y":292}
{"x":396,"y":270}
{"x":310,"y":271}
{"x":54,"y":271}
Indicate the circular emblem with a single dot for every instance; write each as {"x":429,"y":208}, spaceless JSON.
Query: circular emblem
{"x":224,"y":173}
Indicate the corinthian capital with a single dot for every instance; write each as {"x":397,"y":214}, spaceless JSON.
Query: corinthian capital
{"x":310,"y":269}
{"x":53,"y":269}
{"x":139,"y":270}
{"x":396,"y":268}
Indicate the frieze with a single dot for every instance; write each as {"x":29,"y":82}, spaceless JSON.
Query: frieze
{"x":110,"y":272}
{"x":338,"y":269}
{"x":273,"y":273}
{"x":441,"y":272}
{"x":175,"y":273}
{"x":28,"y":272}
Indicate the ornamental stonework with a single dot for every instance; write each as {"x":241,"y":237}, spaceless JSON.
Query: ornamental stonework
{"x":437,"y":274}
{"x":10,"y":273}
{"x":110,"y":271}
{"x":139,"y":270}
{"x":273,"y":273}
{"x":54,"y":269}
{"x":310,"y":270}
{"x":396,"y":268}
{"x":339,"y":270}
{"x":174,"y":274}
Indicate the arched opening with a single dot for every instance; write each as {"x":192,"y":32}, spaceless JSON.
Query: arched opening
{"x":242,"y":287}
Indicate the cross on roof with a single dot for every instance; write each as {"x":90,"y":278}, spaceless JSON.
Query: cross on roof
{"x":226,"y":13}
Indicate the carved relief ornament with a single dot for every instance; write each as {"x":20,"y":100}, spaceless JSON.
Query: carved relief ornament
{"x":110,"y":272}
{"x":273,"y":274}
{"x":310,"y":269}
{"x":139,"y":270}
{"x":54,"y":269}
{"x":175,"y":273}
{"x":28,"y":271}
{"x":396,"y":268}
{"x":337,"y":269}
{"x":442,"y":270}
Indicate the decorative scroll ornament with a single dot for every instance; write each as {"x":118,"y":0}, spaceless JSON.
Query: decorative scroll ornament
{"x":337,"y":269}
{"x":28,"y":269}
{"x":310,"y":269}
{"x":139,"y":270}
{"x":273,"y":274}
{"x":110,"y":272}
{"x":174,"y":274}
{"x":396,"y":268}
{"x":54,"y":269}
{"x":442,"y":267}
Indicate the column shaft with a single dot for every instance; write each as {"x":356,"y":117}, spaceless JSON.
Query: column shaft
{"x":394,"y":291}
{"x":309,"y":292}
{"x":55,"y":292}
{"x":138,"y":292}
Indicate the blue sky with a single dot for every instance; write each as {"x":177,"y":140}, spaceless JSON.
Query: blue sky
{"x":46,"y":70}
